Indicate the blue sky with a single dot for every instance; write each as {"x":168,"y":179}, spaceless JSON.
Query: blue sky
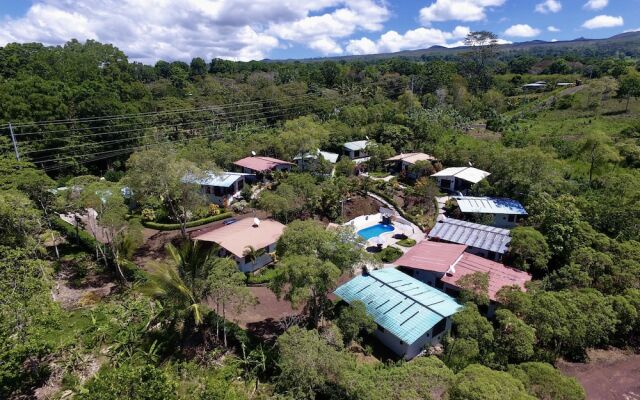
{"x":148,"y":30}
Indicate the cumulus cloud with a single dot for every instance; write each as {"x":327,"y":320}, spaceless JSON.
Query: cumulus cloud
{"x":148,"y":30}
{"x":596,"y":4}
{"x":419,"y":38}
{"x":548,"y":6}
{"x":552,"y":28}
{"x":460,"y":10}
{"x":603,"y":21}
{"x":522,"y":30}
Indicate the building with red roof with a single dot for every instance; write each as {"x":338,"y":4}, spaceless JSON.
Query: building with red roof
{"x":261,"y":165}
{"x":443,"y":264}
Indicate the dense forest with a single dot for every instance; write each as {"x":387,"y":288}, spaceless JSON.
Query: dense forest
{"x":93,"y":130}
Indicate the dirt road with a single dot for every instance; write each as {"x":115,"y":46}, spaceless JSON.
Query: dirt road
{"x":609,"y":375}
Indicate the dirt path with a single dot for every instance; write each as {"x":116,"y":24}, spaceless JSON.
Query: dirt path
{"x":609,"y":375}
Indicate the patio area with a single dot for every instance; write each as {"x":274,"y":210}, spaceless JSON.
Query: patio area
{"x":390,"y":234}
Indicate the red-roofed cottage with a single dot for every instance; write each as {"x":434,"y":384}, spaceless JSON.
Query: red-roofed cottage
{"x":442,"y":265}
{"x":260,"y":165}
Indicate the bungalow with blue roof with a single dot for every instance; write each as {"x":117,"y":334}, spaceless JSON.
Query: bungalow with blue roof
{"x":505,"y":213}
{"x":411,"y":315}
{"x":222,"y":188}
{"x":356,"y":150}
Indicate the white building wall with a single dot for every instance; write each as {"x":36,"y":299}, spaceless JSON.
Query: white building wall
{"x":406,"y":351}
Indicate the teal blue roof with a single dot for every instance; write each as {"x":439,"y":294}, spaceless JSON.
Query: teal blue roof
{"x":399,"y":303}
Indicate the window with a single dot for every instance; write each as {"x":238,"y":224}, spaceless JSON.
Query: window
{"x":511,"y":218}
{"x":439,"y":327}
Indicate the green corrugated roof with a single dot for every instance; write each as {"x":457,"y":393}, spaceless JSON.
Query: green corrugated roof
{"x":399,"y":303}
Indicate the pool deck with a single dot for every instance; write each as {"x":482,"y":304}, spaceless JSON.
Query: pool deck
{"x":365,"y":221}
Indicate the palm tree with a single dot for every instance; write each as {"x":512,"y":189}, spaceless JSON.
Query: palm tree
{"x":166,"y":283}
{"x":191,"y":260}
{"x":251,"y":254}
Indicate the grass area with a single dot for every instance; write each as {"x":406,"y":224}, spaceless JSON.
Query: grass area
{"x":379,"y":174}
{"x":265,"y":275}
{"x":406,"y":242}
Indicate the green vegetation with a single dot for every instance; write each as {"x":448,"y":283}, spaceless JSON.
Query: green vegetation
{"x":154,"y":320}
{"x":406,"y":242}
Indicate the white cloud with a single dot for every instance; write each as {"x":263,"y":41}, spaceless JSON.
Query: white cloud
{"x":603,"y":21}
{"x":596,"y":4}
{"x":632,"y":30}
{"x":460,"y":10}
{"x":548,"y":6}
{"x":552,"y":28}
{"x":522,"y":30}
{"x":148,"y":30}
{"x":419,"y":38}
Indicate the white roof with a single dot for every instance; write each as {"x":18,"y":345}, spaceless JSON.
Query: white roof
{"x":469,"y":174}
{"x":357,"y":145}
{"x":222,"y":179}
{"x":412,"y":158}
{"x":331,"y":157}
{"x":490,"y":205}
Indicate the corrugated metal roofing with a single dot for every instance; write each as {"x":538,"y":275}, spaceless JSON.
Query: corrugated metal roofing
{"x":490,"y":205}
{"x":432,"y":256}
{"x":223,"y":179}
{"x":399,"y":303}
{"x":412,"y":158}
{"x":260,"y":163}
{"x":356,"y":145}
{"x":499,"y":275}
{"x":469,"y":174}
{"x":474,"y":235}
{"x":331,"y":157}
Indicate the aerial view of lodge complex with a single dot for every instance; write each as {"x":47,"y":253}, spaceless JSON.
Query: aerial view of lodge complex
{"x":322,"y":200}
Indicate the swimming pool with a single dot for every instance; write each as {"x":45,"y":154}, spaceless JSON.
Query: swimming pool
{"x":375,"y":230}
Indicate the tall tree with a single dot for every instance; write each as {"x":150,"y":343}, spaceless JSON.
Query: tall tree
{"x":306,"y":280}
{"x":483,"y":50}
{"x":157,"y":175}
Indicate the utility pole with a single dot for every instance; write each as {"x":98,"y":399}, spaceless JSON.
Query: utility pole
{"x":13,"y":140}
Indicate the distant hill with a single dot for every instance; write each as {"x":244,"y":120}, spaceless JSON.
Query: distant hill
{"x":625,"y":43}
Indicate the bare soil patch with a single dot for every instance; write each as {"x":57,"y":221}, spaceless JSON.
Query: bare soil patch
{"x":360,"y":205}
{"x":609,"y":374}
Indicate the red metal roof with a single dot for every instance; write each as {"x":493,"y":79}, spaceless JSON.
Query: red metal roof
{"x":432,"y":256}
{"x":499,"y":274}
{"x":260,"y":163}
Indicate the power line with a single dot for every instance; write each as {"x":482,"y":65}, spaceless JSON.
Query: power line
{"x":254,"y":114}
{"x":41,"y":162}
{"x":158,"y":113}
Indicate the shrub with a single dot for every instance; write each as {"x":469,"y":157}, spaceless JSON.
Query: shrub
{"x":239,"y":206}
{"x":406,"y":242}
{"x":191,"y":224}
{"x":214,"y":209}
{"x":148,"y":214}
{"x":389,"y":254}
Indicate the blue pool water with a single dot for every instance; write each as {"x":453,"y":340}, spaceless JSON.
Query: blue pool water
{"x":374,"y":230}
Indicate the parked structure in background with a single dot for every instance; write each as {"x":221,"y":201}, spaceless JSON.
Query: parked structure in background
{"x":442,"y":265}
{"x":410,"y":315}
{"x":223,"y":188}
{"x":303,"y":161}
{"x":486,"y":241}
{"x":459,"y":179}
{"x":249,"y":241}
{"x":503,"y":212}
{"x":356,"y":150}
{"x":261,"y":166}
{"x":535,"y":86}
{"x":403,"y":162}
